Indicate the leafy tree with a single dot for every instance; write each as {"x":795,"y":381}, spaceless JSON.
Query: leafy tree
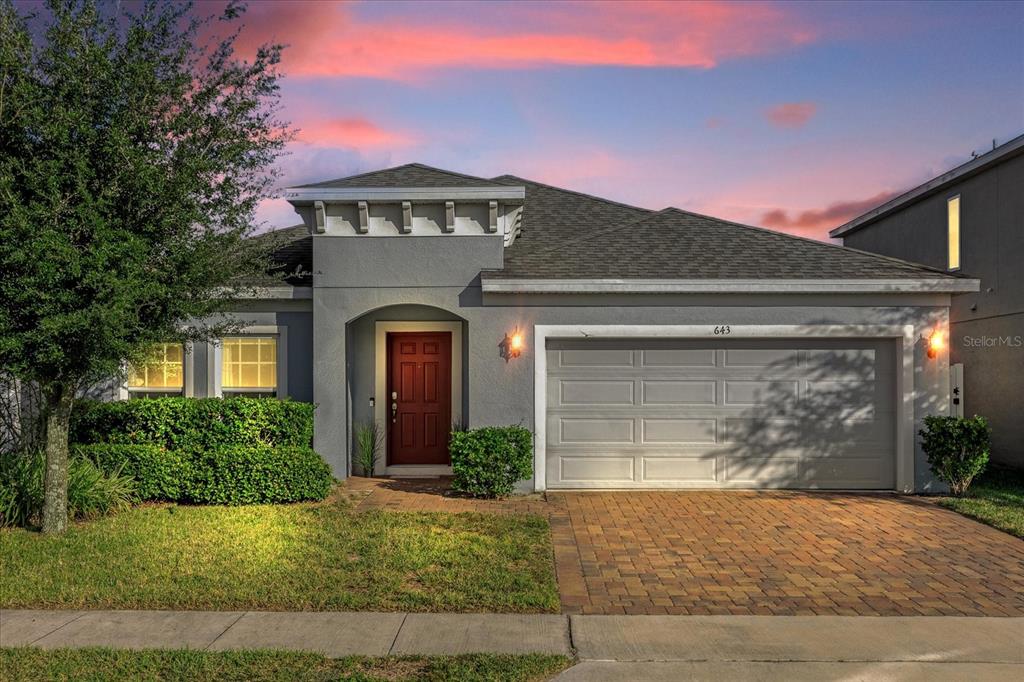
{"x":134,"y":148}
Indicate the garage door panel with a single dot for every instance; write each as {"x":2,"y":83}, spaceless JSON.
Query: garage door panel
{"x":680,"y":357}
{"x":680,"y":469}
{"x":848,"y":398}
{"x":595,"y":392}
{"x":757,"y":357}
{"x":852,"y":363}
{"x":606,"y":469}
{"x":851,"y":472}
{"x":679,"y":392}
{"x":597,"y":357}
{"x":589,"y":431}
{"x":763,"y":471}
{"x":775,"y":394}
{"x":679,"y":430}
{"x":665,"y":413}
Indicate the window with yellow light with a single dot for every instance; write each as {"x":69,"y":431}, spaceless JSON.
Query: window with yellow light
{"x":249,"y":366}
{"x":160,"y":373}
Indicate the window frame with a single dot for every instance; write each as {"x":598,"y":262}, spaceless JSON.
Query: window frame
{"x":187,"y":390}
{"x":215,"y":356}
{"x":959,"y":233}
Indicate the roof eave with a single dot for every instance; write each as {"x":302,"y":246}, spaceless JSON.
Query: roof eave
{"x":275,"y":293}
{"x":723,"y":286}
{"x":973,"y":167}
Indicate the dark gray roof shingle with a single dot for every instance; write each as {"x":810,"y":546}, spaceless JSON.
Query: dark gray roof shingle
{"x":292,"y":255}
{"x":568,"y":235}
{"x":571,"y":235}
{"x":409,"y":175}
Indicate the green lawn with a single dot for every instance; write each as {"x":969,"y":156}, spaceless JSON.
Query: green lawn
{"x":995,"y":498}
{"x":322,"y":557}
{"x":29,"y":665}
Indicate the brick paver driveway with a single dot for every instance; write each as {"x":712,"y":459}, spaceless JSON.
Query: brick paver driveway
{"x":779,"y":553}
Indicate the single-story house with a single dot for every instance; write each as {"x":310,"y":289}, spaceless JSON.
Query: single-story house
{"x":644,"y":349}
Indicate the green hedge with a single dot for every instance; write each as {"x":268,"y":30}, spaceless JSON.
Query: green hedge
{"x":256,"y":475}
{"x":228,"y":475}
{"x":159,"y":474}
{"x":488,"y":462}
{"x":194,"y":424}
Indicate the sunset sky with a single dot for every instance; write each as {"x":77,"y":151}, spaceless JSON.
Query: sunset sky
{"x":793,"y":116}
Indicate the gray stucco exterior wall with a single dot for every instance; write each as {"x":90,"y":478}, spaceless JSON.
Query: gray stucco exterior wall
{"x":986,"y":328}
{"x":436,"y":278}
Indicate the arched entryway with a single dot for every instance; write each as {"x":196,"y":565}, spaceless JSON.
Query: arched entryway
{"x":406,"y":373}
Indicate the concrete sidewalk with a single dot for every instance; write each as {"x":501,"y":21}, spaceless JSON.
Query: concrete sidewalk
{"x":609,"y":647}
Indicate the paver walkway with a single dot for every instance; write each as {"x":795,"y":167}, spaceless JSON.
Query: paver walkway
{"x":753,"y":553}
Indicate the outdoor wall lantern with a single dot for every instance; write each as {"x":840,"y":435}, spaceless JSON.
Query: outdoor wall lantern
{"x":512,"y":345}
{"x":936,"y":342}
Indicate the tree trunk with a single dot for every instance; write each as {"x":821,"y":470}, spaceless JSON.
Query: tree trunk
{"x":55,"y":484}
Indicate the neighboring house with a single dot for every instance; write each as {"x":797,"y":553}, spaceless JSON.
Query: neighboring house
{"x":970,"y":220}
{"x":645,"y":349}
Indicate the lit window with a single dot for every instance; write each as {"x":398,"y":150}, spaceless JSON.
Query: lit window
{"x":162,"y":372}
{"x":249,"y":365}
{"x":953,"y":235}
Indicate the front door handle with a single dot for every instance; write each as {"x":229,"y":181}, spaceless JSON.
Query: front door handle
{"x":394,"y":412}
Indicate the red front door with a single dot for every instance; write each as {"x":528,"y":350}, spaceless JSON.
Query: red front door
{"x":419,"y":397}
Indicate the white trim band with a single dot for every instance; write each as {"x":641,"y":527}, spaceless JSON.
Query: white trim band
{"x":728,"y":286}
{"x":393,"y":194}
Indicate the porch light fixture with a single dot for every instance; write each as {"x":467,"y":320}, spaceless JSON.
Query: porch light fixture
{"x":936,"y":342}
{"x":512,"y":345}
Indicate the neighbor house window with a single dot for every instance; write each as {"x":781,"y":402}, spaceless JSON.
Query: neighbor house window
{"x":161,"y":373}
{"x":249,"y":366}
{"x":953,"y":231}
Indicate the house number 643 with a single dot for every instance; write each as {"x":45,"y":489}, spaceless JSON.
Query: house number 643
{"x":723,"y":329}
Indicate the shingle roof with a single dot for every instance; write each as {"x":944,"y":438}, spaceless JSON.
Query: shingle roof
{"x":409,"y":175}
{"x":292,"y":256}
{"x":571,"y":235}
{"x":568,"y":235}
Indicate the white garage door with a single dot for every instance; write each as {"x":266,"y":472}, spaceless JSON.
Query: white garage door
{"x":690,"y":413}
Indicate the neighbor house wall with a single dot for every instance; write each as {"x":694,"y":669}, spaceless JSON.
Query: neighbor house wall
{"x":987,"y":327}
{"x":438,"y":272}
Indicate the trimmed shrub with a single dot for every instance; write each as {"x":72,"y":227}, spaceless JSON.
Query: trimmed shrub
{"x":194,"y":424}
{"x":487,"y":462}
{"x":257,"y":475}
{"x":91,"y":491}
{"x":228,"y":475}
{"x":159,"y":474}
{"x":957,"y":449}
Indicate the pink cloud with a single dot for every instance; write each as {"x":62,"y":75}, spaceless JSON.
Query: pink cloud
{"x":330,"y":40}
{"x":816,"y":222}
{"x":791,"y":114}
{"x":355,"y":132}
